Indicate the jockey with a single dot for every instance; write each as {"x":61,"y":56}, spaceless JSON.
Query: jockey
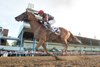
{"x":47,"y":20}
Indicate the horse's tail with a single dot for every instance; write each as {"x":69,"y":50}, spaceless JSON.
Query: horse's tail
{"x":75,"y":38}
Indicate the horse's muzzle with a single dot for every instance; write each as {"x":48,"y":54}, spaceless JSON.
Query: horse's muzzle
{"x":16,"y":18}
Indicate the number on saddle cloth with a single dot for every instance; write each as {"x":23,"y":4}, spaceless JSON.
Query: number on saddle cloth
{"x":56,"y":30}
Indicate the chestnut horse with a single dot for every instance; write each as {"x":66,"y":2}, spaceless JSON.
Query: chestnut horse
{"x":43,"y":35}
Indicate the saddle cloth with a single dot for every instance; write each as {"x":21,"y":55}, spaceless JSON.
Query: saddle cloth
{"x":56,"y":30}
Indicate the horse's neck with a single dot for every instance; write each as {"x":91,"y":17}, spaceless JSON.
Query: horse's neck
{"x":34,"y":25}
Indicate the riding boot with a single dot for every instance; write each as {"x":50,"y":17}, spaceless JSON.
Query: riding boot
{"x":49,"y":26}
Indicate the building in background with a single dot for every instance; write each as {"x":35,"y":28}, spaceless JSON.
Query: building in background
{"x":3,"y":33}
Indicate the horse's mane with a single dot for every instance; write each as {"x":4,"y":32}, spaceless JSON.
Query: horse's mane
{"x":37,"y":20}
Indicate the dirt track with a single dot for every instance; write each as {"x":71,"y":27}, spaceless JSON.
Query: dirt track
{"x":48,"y":61}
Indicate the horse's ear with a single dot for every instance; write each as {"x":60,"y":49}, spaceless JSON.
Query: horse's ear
{"x":28,"y":10}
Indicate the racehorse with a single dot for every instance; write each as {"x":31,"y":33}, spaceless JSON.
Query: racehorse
{"x":43,"y":35}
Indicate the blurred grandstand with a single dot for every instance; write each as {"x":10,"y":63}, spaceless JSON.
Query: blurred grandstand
{"x":3,"y":32}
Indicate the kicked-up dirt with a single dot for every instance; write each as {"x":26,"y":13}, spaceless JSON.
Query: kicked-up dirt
{"x":50,"y":61}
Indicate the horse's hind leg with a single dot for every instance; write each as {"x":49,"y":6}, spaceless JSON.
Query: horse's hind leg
{"x":65,"y":38}
{"x":65,"y":47}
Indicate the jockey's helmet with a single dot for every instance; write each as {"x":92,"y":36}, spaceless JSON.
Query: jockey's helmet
{"x":40,"y":12}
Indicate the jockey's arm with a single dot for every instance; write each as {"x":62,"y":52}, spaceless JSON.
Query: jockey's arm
{"x":46,"y":18}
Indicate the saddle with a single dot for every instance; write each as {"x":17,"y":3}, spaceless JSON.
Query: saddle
{"x":53,"y":29}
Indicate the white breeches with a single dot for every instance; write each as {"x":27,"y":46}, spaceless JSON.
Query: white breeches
{"x":52,"y":22}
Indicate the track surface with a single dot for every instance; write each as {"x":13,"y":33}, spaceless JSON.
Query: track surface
{"x":49,"y":61}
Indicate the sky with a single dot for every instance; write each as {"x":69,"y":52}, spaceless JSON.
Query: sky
{"x":77,"y":16}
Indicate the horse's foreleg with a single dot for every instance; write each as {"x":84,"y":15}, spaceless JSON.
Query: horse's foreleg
{"x":39,"y":44}
{"x":45,"y":48}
